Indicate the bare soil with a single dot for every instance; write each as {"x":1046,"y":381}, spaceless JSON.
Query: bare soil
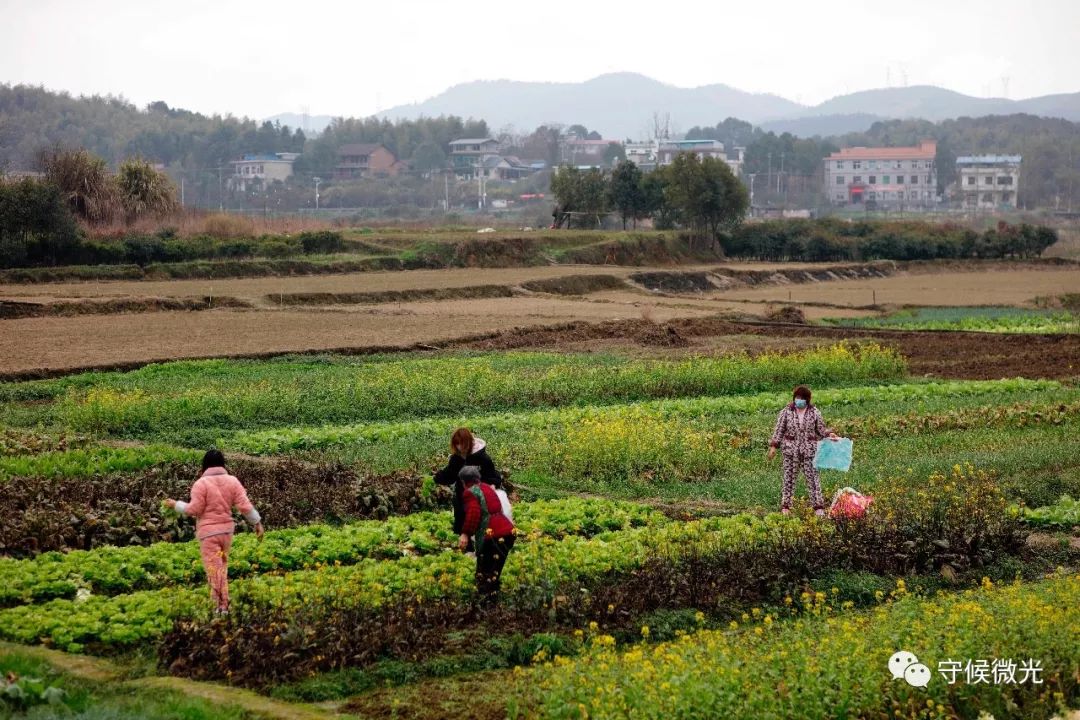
{"x":717,"y":304}
{"x":984,"y":287}
{"x":389,"y":311}
{"x":365,"y":282}
{"x":38,"y":345}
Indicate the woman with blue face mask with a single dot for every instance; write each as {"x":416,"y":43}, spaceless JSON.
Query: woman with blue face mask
{"x":798,"y":429}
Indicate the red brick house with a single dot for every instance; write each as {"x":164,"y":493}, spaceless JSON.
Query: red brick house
{"x":359,"y":160}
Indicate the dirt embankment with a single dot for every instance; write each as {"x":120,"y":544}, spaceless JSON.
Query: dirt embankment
{"x":10,"y":310}
{"x":576,"y":284}
{"x":728,"y":278}
{"x":389,"y":296}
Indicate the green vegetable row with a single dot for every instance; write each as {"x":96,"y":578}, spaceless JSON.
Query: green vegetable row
{"x":536,"y":569}
{"x":117,"y":570}
{"x":392,"y":439}
{"x":980,"y":319}
{"x":192,"y":403}
{"x":1065,"y":513}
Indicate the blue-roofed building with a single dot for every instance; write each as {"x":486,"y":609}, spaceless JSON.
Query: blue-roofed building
{"x":988,"y":181}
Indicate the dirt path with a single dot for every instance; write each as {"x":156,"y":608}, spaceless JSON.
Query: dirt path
{"x":99,"y":670}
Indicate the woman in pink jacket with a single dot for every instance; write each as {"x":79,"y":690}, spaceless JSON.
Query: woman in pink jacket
{"x":213,"y":496}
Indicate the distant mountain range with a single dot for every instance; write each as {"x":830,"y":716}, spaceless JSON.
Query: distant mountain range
{"x":621,"y":105}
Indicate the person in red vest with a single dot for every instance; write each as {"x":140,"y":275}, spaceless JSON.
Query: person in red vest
{"x":491,"y":530}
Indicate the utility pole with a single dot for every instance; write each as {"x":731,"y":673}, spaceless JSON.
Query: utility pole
{"x":780,"y":174}
{"x":317,"y":181}
{"x":768,"y":175}
{"x":446,"y":191}
{"x":220,"y":192}
{"x":752,"y":176}
{"x":181,"y":191}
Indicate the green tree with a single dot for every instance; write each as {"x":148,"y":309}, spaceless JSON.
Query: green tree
{"x":36,"y":225}
{"x":428,"y":157}
{"x":614,"y":153}
{"x":627,"y":192}
{"x":582,"y":198}
{"x":653,"y":203}
{"x":84,"y":181}
{"x":144,"y":190}
{"x":708,"y":196}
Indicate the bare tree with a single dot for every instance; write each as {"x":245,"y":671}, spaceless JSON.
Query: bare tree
{"x":661,"y":126}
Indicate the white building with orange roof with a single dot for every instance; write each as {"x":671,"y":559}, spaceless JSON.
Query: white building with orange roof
{"x":885,"y":177}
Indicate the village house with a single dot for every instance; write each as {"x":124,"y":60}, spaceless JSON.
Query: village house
{"x":469,"y":156}
{"x":668,"y":149}
{"x":988,"y":181}
{"x":265,"y":168}
{"x":582,"y":151}
{"x":886,"y":176}
{"x":359,"y":160}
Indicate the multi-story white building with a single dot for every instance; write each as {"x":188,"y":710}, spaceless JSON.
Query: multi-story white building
{"x":642,"y":154}
{"x":988,"y":181}
{"x":888,"y":176}
{"x":668,"y":149}
{"x":261,"y":168}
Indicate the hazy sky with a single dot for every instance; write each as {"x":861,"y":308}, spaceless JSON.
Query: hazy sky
{"x":352,"y":58}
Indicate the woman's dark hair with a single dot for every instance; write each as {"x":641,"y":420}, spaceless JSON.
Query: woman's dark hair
{"x":802,"y":392}
{"x":212,"y":458}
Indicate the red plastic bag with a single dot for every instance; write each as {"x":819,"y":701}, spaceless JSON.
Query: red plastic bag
{"x":850,"y":503}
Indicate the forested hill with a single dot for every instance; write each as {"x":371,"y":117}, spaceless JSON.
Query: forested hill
{"x":32,"y":118}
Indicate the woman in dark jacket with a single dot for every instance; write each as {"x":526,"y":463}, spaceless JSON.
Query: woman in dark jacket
{"x":467,"y":450}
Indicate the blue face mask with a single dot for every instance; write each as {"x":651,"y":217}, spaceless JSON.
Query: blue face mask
{"x":800,"y":403}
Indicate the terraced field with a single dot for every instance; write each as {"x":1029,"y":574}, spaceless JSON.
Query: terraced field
{"x":652,"y":578}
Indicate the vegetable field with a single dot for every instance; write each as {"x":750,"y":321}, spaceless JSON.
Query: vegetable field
{"x":978,"y":319}
{"x":652,"y":574}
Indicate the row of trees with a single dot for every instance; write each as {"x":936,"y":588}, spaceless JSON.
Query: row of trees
{"x":700,"y":195}
{"x":96,"y":196}
{"x":38,"y":216}
{"x":837,"y":240}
